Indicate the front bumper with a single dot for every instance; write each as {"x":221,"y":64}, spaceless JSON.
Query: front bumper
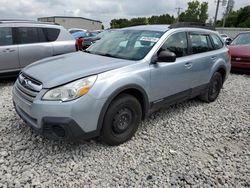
{"x":72,"y":120}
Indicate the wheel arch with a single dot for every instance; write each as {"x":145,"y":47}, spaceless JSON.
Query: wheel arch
{"x":223,"y":72}
{"x":137,"y":91}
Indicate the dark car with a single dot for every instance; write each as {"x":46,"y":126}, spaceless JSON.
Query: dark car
{"x":240,"y":52}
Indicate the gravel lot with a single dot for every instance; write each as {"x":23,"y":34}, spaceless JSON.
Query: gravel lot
{"x":191,"y":144}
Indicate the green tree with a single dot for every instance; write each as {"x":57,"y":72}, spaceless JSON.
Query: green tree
{"x":243,"y":19}
{"x":239,"y":18}
{"x":162,"y":19}
{"x":196,"y":12}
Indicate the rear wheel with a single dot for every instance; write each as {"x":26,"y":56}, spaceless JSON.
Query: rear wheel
{"x":213,"y":89}
{"x":121,"y":120}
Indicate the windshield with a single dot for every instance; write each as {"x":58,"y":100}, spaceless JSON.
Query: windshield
{"x":242,"y":39}
{"x":126,"y":44}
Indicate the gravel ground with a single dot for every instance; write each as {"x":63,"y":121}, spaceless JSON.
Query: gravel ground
{"x":191,"y":144}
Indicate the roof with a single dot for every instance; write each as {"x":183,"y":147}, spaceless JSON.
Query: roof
{"x":161,"y":28}
{"x":71,"y":18}
{"x":25,"y":22}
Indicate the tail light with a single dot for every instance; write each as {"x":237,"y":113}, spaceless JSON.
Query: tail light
{"x":79,"y":44}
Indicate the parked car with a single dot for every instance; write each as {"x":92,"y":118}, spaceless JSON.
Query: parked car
{"x":81,"y":34}
{"x":108,"y":89}
{"x":23,"y":42}
{"x":240,"y":52}
{"x":90,"y":40}
{"x":73,"y":30}
{"x":227,"y":40}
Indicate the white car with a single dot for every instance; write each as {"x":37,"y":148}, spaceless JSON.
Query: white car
{"x":227,"y":40}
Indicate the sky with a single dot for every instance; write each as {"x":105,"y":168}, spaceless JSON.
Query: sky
{"x":103,"y":10}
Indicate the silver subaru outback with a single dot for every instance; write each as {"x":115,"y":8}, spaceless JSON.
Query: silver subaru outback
{"x":109,"y":88}
{"x":23,"y":42}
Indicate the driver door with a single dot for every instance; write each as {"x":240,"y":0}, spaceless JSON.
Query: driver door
{"x":170,"y":81}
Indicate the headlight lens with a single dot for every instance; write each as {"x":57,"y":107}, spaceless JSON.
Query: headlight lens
{"x":71,"y":91}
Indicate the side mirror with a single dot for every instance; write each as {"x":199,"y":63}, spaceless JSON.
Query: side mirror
{"x":166,"y":56}
{"x":228,"y":42}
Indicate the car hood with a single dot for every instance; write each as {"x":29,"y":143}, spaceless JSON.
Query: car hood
{"x":62,"y":69}
{"x":240,"y":50}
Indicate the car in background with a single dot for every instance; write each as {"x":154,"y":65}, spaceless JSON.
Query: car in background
{"x":23,"y":42}
{"x":88,"y":41}
{"x":240,"y":52}
{"x":73,"y":30}
{"x":227,"y":40}
{"x":109,"y":88}
{"x":81,"y":36}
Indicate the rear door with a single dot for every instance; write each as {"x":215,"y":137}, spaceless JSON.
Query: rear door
{"x":8,"y":50}
{"x":202,"y":58}
{"x":33,"y":45}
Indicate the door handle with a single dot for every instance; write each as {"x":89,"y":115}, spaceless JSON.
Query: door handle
{"x":214,"y":58}
{"x":188,"y":65}
{"x":8,"y":50}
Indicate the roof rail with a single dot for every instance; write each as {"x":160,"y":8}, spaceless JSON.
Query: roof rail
{"x":192,"y":24}
{"x":26,"y":21}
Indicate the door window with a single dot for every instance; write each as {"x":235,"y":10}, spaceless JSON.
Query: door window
{"x":177,"y":43}
{"x":200,"y":43}
{"x":6,"y":36}
{"x":218,"y":44}
{"x":27,"y":35}
{"x":51,"y":34}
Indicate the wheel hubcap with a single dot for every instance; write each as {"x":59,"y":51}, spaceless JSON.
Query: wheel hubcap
{"x":122,"y":120}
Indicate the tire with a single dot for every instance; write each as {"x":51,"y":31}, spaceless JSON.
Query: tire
{"x":121,"y":120}
{"x":213,"y":89}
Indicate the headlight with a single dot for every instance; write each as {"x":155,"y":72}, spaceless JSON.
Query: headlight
{"x":71,"y":91}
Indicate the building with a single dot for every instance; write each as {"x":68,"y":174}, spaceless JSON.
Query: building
{"x":74,"y":22}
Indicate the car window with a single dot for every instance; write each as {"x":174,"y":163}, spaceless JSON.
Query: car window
{"x":27,"y":35}
{"x":5,"y":36}
{"x":51,"y":33}
{"x":218,"y":44}
{"x":126,"y":44}
{"x":41,"y":35}
{"x":241,"y":39}
{"x":200,"y":43}
{"x":177,"y":43}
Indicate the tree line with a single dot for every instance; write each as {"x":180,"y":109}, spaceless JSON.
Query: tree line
{"x":196,"y":12}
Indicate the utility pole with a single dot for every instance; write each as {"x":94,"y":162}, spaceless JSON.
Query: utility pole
{"x":216,"y":12}
{"x":229,"y":8}
{"x":178,"y":12}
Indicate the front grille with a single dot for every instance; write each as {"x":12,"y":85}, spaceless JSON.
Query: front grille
{"x":240,"y":59}
{"x":27,"y":87}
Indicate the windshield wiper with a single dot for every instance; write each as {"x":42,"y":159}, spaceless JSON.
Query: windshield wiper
{"x":107,"y":55}
{"x":87,"y":51}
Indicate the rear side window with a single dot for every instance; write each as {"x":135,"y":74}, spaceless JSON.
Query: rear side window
{"x":27,"y":35}
{"x":177,"y":43}
{"x":200,"y":43}
{"x":218,"y":44}
{"x":51,"y":34}
{"x":6,"y":36}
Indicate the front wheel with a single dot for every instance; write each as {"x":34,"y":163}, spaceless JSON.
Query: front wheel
{"x":121,"y":120}
{"x":213,"y":89}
